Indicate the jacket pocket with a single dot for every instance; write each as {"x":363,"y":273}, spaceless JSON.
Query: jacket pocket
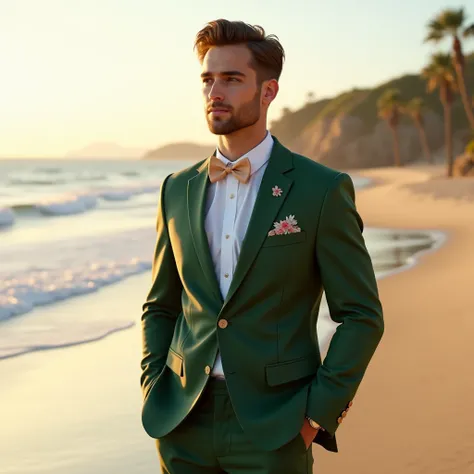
{"x":290,"y":370}
{"x":285,"y":239}
{"x":175,"y":362}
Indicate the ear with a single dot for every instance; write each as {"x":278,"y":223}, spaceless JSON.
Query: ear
{"x":270,"y":91}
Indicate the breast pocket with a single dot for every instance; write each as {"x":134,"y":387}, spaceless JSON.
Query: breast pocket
{"x":285,"y":239}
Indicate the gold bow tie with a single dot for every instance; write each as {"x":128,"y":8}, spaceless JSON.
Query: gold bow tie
{"x":218,"y":170}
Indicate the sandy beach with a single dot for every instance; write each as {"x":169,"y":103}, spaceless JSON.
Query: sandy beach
{"x":412,"y":413}
{"x":71,"y":408}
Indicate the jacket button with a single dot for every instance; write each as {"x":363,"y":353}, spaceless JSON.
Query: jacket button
{"x":339,"y":420}
{"x":223,"y":323}
{"x":207,"y":369}
{"x":344,"y":414}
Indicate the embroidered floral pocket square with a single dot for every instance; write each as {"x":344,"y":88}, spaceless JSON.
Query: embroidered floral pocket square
{"x":286,"y":226}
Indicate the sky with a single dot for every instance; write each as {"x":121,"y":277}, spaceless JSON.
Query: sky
{"x":75,"y":72}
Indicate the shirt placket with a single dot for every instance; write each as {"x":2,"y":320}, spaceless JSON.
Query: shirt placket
{"x":228,"y":234}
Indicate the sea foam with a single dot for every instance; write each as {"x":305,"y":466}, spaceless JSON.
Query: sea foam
{"x":66,"y":268}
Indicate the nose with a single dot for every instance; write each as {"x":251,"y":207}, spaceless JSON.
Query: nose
{"x":215,"y":93}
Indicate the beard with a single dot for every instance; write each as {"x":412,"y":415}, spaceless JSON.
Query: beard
{"x":245,"y":116}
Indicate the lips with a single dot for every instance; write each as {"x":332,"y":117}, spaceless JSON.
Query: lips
{"x":218,"y":112}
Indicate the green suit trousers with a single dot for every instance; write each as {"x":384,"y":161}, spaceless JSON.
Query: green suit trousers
{"x":210,"y":440}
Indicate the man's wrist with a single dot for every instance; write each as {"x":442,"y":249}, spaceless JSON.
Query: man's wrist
{"x":314,"y":424}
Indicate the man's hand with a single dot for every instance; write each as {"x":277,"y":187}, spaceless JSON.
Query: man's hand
{"x":308,"y":433}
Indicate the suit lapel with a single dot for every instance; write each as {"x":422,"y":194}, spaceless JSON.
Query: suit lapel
{"x":265,"y":210}
{"x":196,"y":197}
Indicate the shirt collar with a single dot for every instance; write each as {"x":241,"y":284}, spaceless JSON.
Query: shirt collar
{"x":258,"y":156}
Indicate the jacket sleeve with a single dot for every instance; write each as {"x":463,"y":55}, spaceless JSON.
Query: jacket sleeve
{"x":351,"y":291}
{"x":163,"y":302}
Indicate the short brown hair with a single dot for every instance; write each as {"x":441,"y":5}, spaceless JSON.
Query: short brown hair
{"x":267,"y":52}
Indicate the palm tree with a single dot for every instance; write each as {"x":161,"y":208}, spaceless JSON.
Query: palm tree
{"x":440,"y":75}
{"x":451,"y":22}
{"x":414,"y":109}
{"x":389,"y":109}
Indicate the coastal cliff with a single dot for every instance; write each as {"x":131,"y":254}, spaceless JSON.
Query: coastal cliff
{"x":345,"y":131}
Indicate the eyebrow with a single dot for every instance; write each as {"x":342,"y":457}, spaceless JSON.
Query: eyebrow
{"x":224,"y":73}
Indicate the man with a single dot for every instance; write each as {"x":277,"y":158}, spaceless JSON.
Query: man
{"x":247,"y":240}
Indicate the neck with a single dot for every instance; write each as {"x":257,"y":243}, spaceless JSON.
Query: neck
{"x":240,"y":142}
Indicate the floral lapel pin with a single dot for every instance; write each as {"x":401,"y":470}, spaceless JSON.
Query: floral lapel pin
{"x":276,"y":191}
{"x":286,"y":226}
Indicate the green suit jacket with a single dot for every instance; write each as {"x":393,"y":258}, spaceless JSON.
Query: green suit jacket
{"x":269,"y":346}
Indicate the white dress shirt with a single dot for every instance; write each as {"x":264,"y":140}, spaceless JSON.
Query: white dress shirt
{"x":229,"y":205}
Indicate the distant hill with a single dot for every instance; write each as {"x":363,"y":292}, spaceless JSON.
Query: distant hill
{"x":105,"y":150}
{"x":183,"y":150}
{"x":345,"y":131}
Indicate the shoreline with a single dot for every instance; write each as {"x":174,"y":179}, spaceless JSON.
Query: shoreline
{"x":41,"y":313}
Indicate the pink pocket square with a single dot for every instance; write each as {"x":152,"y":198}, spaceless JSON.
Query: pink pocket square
{"x":286,"y":226}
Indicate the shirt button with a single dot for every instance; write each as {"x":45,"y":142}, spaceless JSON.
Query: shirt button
{"x":207,"y":369}
{"x":226,"y":275}
{"x":227,"y":236}
{"x":232,"y":196}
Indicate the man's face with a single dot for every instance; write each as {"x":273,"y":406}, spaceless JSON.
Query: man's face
{"x":232,"y":98}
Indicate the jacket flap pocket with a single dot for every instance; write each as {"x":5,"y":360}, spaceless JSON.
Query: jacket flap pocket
{"x":285,"y":239}
{"x":175,"y":362}
{"x":291,"y":370}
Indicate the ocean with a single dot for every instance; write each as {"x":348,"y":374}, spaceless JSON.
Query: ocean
{"x":70,"y":228}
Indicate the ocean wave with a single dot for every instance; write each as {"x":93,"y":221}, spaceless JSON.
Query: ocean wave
{"x":126,"y":193}
{"x":49,"y":170}
{"x":58,"y":271}
{"x":7,"y":217}
{"x":19,"y":294}
{"x":54,"y":176}
{"x":46,"y":181}
{"x":67,"y":204}
{"x":66,"y":268}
